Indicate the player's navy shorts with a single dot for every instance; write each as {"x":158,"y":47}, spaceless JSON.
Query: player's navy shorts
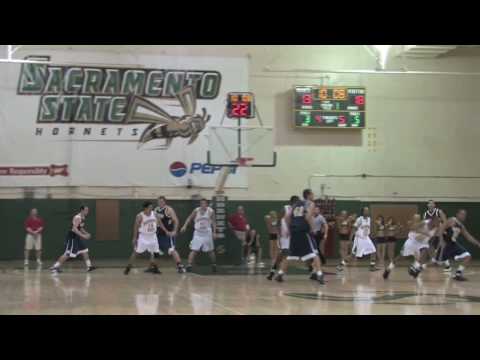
{"x":302,"y":246}
{"x":166,"y":243}
{"x":454,"y":251}
{"x":74,"y":245}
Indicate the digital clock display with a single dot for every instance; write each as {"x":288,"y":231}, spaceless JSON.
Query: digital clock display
{"x":240,"y":105}
{"x":330,"y":107}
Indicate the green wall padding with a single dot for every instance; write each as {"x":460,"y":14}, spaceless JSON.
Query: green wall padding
{"x":58,"y":215}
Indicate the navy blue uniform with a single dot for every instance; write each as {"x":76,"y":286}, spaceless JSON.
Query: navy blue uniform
{"x":453,"y":250}
{"x":74,"y":244}
{"x":302,"y":245}
{"x":165,"y":243}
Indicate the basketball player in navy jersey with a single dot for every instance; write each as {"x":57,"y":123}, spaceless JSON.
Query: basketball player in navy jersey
{"x":302,"y":243}
{"x":75,"y":242}
{"x":167,"y":231}
{"x":450,"y":249}
{"x":435,"y":214}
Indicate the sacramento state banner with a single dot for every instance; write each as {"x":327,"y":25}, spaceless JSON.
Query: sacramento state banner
{"x":73,"y":123}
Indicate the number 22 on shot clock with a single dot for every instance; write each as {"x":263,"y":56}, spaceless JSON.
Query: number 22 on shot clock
{"x":240,"y":105}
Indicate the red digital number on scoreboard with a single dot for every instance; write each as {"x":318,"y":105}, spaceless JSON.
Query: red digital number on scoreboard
{"x":307,"y":99}
{"x":240,"y":109}
{"x":360,"y":100}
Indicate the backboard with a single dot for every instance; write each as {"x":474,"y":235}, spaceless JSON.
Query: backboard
{"x":250,"y":146}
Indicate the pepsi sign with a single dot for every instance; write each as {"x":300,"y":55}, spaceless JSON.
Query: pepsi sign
{"x":179,"y":169}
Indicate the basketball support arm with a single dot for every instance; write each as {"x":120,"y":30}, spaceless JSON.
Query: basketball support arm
{"x":222,"y":179}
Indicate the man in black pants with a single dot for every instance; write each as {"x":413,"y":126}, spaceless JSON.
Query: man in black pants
{"x":320,"y":231}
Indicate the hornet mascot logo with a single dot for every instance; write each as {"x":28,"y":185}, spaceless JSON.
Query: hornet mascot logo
{"x":165,"y":126}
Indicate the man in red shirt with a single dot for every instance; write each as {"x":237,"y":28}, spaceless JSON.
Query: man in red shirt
{"x":34,"y":226}
{"x":239,"y":224}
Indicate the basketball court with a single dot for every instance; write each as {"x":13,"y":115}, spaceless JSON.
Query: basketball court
{"x":86,"y":127}
{"x":233,"y":291}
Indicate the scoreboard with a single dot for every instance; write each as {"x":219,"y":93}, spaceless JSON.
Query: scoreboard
{"x":339,"y":107}
{"x":240,"y":105}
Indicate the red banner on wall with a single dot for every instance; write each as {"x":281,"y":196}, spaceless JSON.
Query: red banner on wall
{"x":52,"y":170}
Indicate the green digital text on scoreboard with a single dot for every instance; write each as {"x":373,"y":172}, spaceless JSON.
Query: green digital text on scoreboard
{"x":339,"y":107}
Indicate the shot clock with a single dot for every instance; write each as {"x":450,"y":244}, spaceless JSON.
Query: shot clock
{"x":240,"y":105}
{"x":339,"y":107}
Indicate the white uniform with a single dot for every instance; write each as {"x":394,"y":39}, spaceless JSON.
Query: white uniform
{"x":203,"y":236}
{"x":362,"y":244}
{"x":147,"y":237}
{"x":284,"y":241}
{"x":417,"y":241}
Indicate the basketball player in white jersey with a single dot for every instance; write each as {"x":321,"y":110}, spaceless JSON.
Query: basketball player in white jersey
{"x":203,"y":235}
{"x":145,"y":237}
{"x":75,"y":242}
{"x":416,"y":245}
{"x":284,"y":241}
{"x":362,"y":244}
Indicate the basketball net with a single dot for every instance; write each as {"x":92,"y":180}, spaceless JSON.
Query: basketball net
{"x":244,"y":161}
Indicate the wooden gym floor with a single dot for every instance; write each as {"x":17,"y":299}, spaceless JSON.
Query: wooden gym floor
{"x":233,"y":291}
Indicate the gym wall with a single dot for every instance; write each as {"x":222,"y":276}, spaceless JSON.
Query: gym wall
{"x":416,"y":125}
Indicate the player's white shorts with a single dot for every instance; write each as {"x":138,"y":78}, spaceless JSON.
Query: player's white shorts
{"x":284,"y":242}
{"x":33,"y":242}
{"x":363,"y":245}
{"x":147,"y":242}
{"x":202,"y":241}
{"x":412,"y":247}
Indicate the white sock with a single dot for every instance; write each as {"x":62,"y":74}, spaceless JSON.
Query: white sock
{"x":424,"y":266}
{"x":447,"y":263}
{"x":343,"y":263}
{"x":319,"y":273}
{"x":416,"y":265}
{"x":88,"y":262}
{"x":461,"y":268}
{"x":391,"y":266}
{"x":57,"y":265}
{"x":280,"y":272}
